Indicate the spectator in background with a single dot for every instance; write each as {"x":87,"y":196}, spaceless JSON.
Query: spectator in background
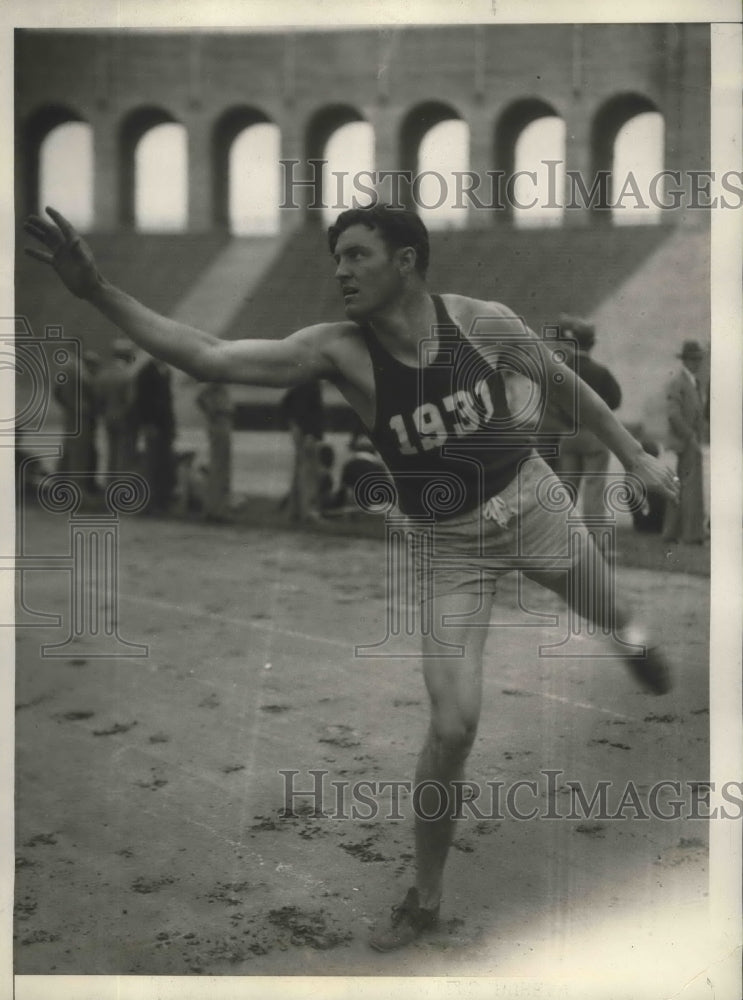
{"x":583,"y":459}
{"x":154,"y":420}
{"x":362,"y":460}
{"x":686,"y":430}
{"x":91,"y":408}
{"x":215,"y":402}
{"x":304,"y":414}
{"x":115,"y":394}
{"x":326,"y":492}
{"x":75,"y":393}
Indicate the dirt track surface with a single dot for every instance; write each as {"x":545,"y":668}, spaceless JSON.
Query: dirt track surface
{"x":150,"y":825}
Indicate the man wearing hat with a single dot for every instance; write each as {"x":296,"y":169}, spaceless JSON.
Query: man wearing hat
{"x":584,"y":459}
{"x":89,"y":375}
{"x":685,"y":411}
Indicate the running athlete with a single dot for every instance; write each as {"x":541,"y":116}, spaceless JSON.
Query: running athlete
{"x":428,"y":388}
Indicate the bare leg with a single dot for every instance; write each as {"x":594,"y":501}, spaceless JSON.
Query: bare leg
{"x":586,"y":589}
{"x":454,"y":687}
{"x":295,"y":489}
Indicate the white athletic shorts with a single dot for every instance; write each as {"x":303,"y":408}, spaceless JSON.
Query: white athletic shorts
{"x":529,"y":526}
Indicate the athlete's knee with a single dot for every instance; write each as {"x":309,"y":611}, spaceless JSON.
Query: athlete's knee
{"x":454,"y":733}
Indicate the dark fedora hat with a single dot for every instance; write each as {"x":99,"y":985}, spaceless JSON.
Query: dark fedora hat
{"x":691,"y":350}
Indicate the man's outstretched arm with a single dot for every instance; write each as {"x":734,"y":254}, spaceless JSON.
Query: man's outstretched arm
{"x":259,"y":362}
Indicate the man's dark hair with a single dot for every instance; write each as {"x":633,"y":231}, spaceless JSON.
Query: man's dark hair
{"x":397,"y":226}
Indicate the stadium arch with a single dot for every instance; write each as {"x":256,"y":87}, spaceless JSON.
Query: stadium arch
{"x":606,"y":124}
{"x":229,"y":126}
{"x":37,"y":126}
{"x":415,"y":125}
{"x":133,"y":128}
{"x":509,"y":128}
{"x":320,"y":127}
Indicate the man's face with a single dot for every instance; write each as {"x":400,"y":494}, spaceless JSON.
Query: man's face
{"x":366,"y":271}
{"x":693,"y":364}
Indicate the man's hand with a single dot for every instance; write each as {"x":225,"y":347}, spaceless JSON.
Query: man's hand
{"x":656,"y":476}
{"x":66,"y":251}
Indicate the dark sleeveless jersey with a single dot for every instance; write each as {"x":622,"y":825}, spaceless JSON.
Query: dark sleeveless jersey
{"x":444,"y":429}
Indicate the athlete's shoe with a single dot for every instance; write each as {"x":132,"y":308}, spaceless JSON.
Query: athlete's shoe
{"x":651,"y":670}
{"x":404,"y":924}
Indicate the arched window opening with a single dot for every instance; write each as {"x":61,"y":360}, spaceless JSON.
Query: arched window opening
{"x":253,"y":181}
{"x":347,"y":175}
{"x":636,"y":191}
{"x":66,"y":172}
{"x":161,"y":179}
{"x":537,"y":191}
{"x":434,"y":147}
{"x":442,"y":154}
{"x":349,"y":152}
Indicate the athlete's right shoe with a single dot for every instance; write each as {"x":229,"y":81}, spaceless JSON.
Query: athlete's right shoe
{"x":651,"y":670}
{"x":404,"y":924}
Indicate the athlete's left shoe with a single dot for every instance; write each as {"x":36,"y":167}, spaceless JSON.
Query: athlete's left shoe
{"x":651,"y":670}
{"x":404,"y":924}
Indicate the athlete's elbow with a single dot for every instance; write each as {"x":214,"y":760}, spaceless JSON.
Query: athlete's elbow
{"x":277,"y":377}
{"x":299,"y":374}
{"x":206,"y":364}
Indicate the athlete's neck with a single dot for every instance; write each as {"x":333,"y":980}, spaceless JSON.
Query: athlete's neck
{"x":401,"y":326}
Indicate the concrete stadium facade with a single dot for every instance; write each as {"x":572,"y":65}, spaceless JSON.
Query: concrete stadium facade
{"x":498,"y":79}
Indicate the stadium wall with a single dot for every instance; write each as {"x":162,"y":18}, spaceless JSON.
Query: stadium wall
{"x":496,"y":78}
